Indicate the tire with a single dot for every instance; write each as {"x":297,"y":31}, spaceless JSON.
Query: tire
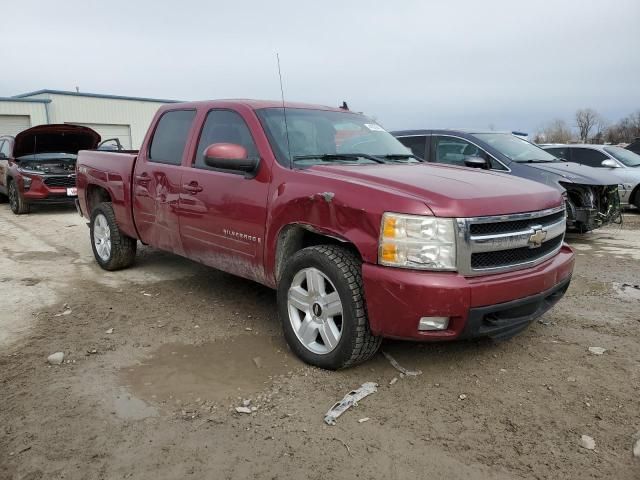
{"x":112,"y":249}
{"x":336,"y":272}
{"x":16,"y":201}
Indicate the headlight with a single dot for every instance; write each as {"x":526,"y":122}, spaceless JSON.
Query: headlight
{"x":412,"y":241}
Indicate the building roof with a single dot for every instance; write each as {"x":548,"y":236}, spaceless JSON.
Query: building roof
{"x":28,"y":100}
{"x":83,"y":94}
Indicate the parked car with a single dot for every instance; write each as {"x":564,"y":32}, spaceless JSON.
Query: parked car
{"x":591,"y":196}
{"x":634,"y":146}
{"x":361,"y":239}
{"x":39,"y":164}
{"x":620,"y":162}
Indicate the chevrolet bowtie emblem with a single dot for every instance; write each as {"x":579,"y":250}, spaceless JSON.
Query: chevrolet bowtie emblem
{"x":537,"y":237}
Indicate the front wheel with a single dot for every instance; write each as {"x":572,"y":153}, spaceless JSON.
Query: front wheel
{"x":112,"y":249}
{"x":16,"y":202}
{"x":322,"y":308}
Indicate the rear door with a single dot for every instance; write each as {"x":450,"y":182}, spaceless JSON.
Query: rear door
{"x":157,"y":181}
{"x":223,"y":214}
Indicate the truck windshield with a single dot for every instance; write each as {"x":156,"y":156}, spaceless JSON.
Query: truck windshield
{"x":326,"y":136}
{"x":516,"y":148}
{"x":627,"y":157}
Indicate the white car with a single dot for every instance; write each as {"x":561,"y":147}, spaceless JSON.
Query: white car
{"x":622,"y":163}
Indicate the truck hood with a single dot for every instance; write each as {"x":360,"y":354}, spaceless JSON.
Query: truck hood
{"x":57,"y":138}
{"x":576,"y":173}
{"x":451,"y":191}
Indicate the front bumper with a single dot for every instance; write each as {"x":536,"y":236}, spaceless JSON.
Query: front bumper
{"x":397,"y":299}
{"x":39,"y":192}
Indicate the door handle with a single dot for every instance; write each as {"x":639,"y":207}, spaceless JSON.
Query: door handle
{"x":143,"y":179}
{"x":192,"y":187}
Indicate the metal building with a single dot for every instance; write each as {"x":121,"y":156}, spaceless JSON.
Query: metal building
{"x":112,"y":116}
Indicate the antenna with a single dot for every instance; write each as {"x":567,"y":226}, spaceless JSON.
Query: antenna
{"x":284,"y":112}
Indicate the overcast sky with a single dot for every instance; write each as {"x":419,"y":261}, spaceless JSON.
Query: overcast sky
{"x":411,"y":64}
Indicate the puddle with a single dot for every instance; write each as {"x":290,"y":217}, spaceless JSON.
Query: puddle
{"x":627,"y":291}
{"x":178,"y":373}
{"x":128,"y":407}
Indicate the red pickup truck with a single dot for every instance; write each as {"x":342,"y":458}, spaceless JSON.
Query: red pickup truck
{"x":361,"y":239}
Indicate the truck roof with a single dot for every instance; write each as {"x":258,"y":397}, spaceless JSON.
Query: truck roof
{"x":251,"y":103}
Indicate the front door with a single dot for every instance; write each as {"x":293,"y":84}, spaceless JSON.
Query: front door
{"x":223,"y":214}
{"x":157,"y":182}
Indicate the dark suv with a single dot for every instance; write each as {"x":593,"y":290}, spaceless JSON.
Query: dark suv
{"x":39,"y":164}
{"x":592,"y":198}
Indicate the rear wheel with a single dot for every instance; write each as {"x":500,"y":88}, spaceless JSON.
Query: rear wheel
{"x":112,"y":249}
{"x":16,"y":201}
{"x":322,"y":309}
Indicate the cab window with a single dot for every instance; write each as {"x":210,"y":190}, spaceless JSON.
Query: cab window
{"x":170,"y":137}
{"x":454,"y":151}
{"x":561,"y":153}
{"x":224,"y":126}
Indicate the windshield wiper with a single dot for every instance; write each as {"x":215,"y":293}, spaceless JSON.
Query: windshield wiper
{"x":330,"y":157}
{"x":539,"y":161}
{"x":400,"y":156}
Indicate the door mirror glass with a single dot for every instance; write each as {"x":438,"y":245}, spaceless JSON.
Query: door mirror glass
{"x":608,"y":163}
{"x":476,"y":162}
{"x":229,"y":156}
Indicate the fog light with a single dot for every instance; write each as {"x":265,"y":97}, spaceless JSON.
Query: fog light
{"x":433,"y":323}
{"x":26,"y":182}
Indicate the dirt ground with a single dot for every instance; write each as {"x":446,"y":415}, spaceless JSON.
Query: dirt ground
{"x":155,"y":397}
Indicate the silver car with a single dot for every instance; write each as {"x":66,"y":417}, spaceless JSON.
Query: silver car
{"x":622,"y":163}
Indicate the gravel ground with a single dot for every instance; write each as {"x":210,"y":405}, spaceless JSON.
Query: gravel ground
{"x":157,"y":357}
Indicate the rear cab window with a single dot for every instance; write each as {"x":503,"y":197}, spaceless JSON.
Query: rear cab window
{"x":170,"y":137}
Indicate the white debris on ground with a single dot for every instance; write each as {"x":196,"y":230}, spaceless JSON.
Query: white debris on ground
{"x":597,"y":350}
{"x":462,"y":396}
{"x":393,"y":380}
{"x":55,"y":358}
{"x":636,"y":447}
{"x":109,"y":331}
{"x":587,"y":442}
{"x":246,"y":410}
{"x":350,"y":399}
{"x":400,"y":368}
{"x":365,"y":419}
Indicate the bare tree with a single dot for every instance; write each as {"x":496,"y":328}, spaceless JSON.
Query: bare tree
{"x":586,"y":120}
{"x":556,"y":131}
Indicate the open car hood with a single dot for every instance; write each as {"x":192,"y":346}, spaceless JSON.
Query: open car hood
{"x":58,"y":138}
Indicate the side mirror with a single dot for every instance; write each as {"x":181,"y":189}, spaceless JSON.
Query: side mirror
{"x":231,"y":157}
{"x":476,"y":162}
{"x":608,"y":163}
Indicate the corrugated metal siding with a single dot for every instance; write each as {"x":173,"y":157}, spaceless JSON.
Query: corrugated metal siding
{"x":13,"y":124}
{"x":88,"y":110}
{"x":121,"y":132}
{"x":15,"y":112}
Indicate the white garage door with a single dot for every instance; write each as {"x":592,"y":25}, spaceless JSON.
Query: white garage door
{"x":14,"y":124}
{"x":107,"y":131}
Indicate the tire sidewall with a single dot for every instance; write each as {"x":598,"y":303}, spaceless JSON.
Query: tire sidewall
{"x":13,"y":189}
{"x":100,"y":210}
{"x":342,"y":353}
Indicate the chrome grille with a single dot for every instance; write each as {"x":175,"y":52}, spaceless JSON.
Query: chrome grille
{"x":509,"y":242}
{"x":66,"y":181}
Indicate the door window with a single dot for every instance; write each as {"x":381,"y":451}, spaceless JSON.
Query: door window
{"x":588,"y":156}
{"x":454,"y":151}
{"x":417,"y":145}
{"x":170,"y":137}
{"x":4,"y":148}
{"x":561,"y":153}
{"x":224,"y":126}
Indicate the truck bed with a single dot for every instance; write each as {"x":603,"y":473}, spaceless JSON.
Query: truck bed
{"x":111,"y":171}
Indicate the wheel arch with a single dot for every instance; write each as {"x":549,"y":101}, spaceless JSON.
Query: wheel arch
{"x":95,"y":194}
{"x":294,"y":237}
